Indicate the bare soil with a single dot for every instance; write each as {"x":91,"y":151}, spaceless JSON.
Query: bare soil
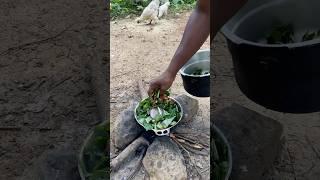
{"x":47,"y":98}
{"x":140,"y":51}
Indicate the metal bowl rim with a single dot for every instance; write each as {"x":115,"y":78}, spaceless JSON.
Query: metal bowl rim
{"x":181,"y":115}
{"x":224,"y":139}
{"x":230,"y":34}
{"x":181,"y":71}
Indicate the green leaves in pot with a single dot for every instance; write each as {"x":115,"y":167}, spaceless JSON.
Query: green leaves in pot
{"x":167,"y":115}
{"x":220,"y":159}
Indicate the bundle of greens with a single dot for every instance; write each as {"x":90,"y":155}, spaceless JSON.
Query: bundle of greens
{"x":310,"y":36}
{"x":167,"y":115}
{"x":282,"y":34}
{"x":220,"y":158}
{"x":199,"y":72}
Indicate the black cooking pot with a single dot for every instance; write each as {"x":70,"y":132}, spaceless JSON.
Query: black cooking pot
{"x":196,"y":74}
{"x":284,"y":77}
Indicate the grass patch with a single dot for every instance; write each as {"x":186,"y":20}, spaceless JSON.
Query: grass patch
{"x":123,"y":8}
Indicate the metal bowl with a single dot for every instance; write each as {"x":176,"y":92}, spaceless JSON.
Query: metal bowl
{"x":197,"y":85}
{"x":161,"y":132}
{"x":226,"y":143}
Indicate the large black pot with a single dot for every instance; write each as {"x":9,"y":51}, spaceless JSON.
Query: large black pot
{"x":284,"y":78}
{"x":197,"y":85}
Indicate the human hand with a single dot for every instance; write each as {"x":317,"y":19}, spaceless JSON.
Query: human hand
{"x":162,"y":82}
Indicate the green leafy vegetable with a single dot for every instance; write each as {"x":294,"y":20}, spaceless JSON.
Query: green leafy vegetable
{"x":197,"y":72}
{"x":281,"y":35}
{"x":168,"y":115}
{"x":310,"y":36}
{"x":284,"y":34}
{"x":95,"y":158}
{"x":219,"y":159}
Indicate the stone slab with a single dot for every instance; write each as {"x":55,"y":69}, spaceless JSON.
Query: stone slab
{"x":255,"y":140}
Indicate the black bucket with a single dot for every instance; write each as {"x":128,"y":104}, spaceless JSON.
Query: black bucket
{"x":281,"y":77}
{"x":196,"y":74}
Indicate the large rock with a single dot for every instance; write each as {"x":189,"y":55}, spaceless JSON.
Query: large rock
{"x":190,"y":107}
{"x":164,"y":160}
{"x":126,"y":129}
{"x":255,"y":140}
{"x":129,"y":161}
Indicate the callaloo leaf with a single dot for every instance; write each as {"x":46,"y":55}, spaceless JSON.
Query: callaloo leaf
{"x":148,"y":126}
{"x":142,"y":120}
{"x":168,"y":121}
{"x":173,"y":123}
{"x":308,"y":36}
{"x":282,"y":34}
{"x":160,"y":126}
{"x":169,"y":109}
{"x":148,"y":119}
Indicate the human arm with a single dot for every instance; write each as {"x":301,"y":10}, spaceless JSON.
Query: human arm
{"x":195,"y":34}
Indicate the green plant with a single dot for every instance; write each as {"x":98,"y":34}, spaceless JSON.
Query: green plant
{"x":310,"y":36}
{"x":220,"y":159}
{"x":96,"y":157}
{"x":121,"y":8}
{"x":166,"y":111}
{"x":183,"y":4}
{"x":282,"y":34}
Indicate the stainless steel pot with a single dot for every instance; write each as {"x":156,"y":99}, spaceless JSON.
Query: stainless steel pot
{"x":162,"y":132}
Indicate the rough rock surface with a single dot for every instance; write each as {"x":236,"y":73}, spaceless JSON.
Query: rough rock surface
{"x":164,"y":160}
{"x":129,"y":161}
{"x":126,"y":129}
{"x":255,"y":140}
{"x":190,"y":107}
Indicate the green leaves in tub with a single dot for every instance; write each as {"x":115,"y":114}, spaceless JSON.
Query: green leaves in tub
{"x":310,"y":36}
{"x":282,"y":34}
{"x":219,"y":158}
{"x":199,"y":71}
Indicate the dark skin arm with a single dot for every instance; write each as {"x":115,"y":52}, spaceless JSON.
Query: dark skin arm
{"x":196,"y":32}
{"x":222,"y":11}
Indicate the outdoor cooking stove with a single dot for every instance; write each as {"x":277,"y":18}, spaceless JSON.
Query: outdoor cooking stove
{"x":183,"y":153}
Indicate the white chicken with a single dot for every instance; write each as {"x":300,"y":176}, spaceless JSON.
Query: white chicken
{"x":163,"y":9}
{"x":150,"y":13}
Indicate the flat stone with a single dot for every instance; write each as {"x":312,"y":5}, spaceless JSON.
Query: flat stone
{"x":126,"y":129}
{"x":164,"y":160}
{"x":255,"y":140}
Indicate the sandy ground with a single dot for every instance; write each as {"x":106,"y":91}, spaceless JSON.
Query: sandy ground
{"x":300,"y":158}
{"x":46,"y":50}
{"x":142,"y":52}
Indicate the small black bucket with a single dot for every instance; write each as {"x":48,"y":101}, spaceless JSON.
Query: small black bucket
{"x":196,"y":74}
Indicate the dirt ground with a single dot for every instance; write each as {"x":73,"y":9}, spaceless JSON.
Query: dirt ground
{"x":47,"y":98}
{"x":300,"y":157}
{"x":141,"y":51}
